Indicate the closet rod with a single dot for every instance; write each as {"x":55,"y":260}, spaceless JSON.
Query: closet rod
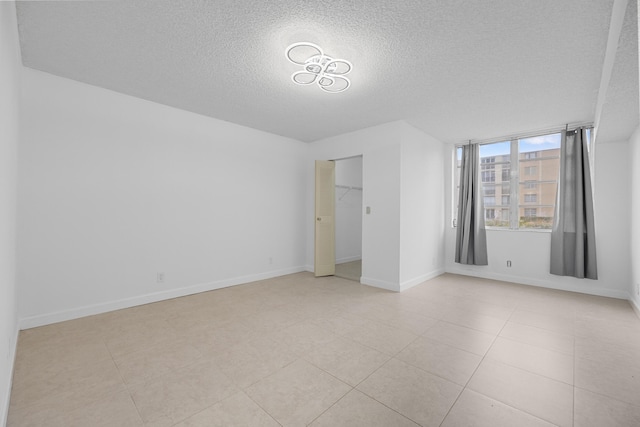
{"x":348,"y":187}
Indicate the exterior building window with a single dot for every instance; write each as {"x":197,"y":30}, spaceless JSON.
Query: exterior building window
{"x":525,"y":199}
{"x":489,"y":190}
{"x":488,"y":176}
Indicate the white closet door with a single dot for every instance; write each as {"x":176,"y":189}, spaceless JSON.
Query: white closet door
{"x":325,"y":246}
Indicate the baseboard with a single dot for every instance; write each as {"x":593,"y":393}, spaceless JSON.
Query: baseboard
{"x":420,"y":279}
{"x":12,"y":363}
{"x":89,"y":310}
{"x":635,"y":306}
{"x":539,"y":283}
{"x":380,"y":284}
{"x":349,"y":259}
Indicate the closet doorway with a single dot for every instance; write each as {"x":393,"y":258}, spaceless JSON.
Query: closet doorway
{"x":348,"y":218}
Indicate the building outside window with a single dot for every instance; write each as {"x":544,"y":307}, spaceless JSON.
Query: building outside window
{"x":488,"y":176}
{"x":507,"y":204}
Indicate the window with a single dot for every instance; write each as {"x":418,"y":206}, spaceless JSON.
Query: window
{"x":495,"y":159}
{"x":525,"y":199}
{"x":488,"y":176}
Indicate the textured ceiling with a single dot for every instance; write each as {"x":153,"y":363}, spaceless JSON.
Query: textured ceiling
{"x":457,"y":69}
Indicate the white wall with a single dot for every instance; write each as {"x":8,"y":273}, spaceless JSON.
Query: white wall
{"x":349,"y":171}
{"x":422,"y":209}
{"x":529,"y":250}
{"x":387,"y":190}
{"x":348,"y":218}
{"x":634,"y":160}
{"x":9,"y":107}
{"x":114,"y":189}
{"x":381,"y":227}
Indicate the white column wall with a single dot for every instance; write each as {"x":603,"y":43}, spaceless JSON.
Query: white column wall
{"x":634,"y":192}
{"x":381,"y":227}
{"x":422,"y":209}
{"x":10,"y":65}
{"x":397,"y":188}
{"x":379,"y":147}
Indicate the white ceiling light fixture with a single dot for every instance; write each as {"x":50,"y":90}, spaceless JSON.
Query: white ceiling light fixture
{"x":318,"y":68}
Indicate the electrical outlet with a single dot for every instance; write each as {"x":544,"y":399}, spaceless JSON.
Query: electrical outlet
{"x":508,"y":263}
{"x":160,"y":278}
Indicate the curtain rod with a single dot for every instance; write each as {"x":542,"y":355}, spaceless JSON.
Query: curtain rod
{"x":530,"y":134}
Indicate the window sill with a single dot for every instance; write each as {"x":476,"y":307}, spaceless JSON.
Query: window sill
{"x":520,"y":230}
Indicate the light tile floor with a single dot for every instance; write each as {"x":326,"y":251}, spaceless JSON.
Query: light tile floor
{"x":296,"y":350}
{"x":349,"y":270}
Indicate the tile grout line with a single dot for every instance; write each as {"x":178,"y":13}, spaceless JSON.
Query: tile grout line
{"x":334,"y":403}
{"x":476,"y":369}
{"x":382,"y":403}
{"x":126,"y":386}
{"x":373,"y":372}
{"x":524,"y":370}
{"x":260,"y":406}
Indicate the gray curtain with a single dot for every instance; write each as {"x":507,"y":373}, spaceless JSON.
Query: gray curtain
{"x":471,"y":239}
{"x":573,"y":243}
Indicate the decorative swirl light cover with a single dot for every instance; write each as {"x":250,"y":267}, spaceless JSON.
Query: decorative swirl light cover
{"x":318,"y":68}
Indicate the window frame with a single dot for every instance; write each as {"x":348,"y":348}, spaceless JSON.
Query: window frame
{"x":515,"y":182}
